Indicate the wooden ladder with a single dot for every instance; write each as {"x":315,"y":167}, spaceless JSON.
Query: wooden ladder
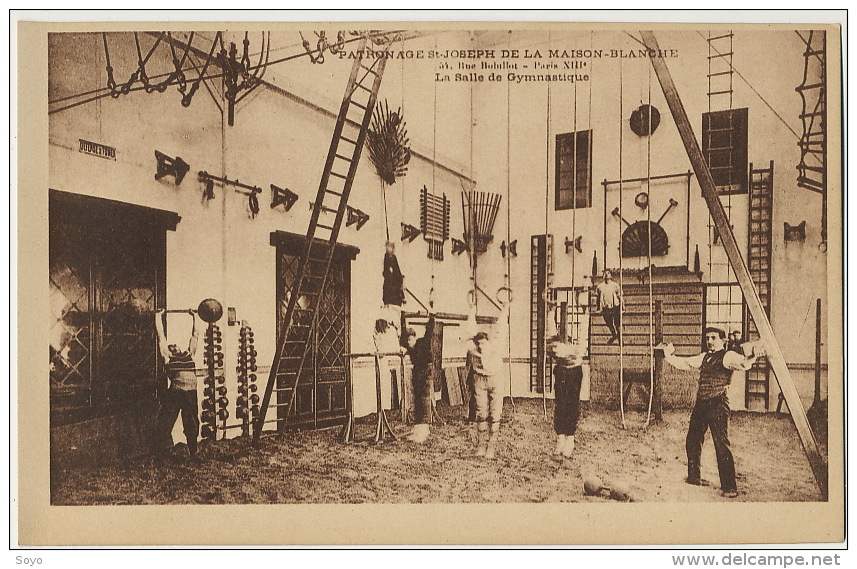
{"x":757,"y":385}
{"x":541,"y":283}
{"x":329,"y":208}
{"x":720,"y":72}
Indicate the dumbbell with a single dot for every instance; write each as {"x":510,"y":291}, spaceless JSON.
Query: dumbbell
{"x":617,"y":490}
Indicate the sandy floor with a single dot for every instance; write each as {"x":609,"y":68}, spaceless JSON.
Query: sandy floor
{"x":313,"y":467}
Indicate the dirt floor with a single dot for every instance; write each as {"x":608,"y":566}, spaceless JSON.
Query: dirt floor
{"x":313,"y":467}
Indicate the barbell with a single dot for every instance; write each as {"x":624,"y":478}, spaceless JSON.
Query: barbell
{"x":209,"y":310}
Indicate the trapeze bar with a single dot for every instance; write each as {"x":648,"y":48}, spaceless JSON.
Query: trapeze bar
{"x":451,"y":316}
{"x":373,"y":354}
{"x":687,"y":174}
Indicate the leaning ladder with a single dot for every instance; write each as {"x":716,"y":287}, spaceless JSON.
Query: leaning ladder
{"x":329,"y":207}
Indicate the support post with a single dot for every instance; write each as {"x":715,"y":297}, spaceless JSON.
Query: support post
{"x":657,"y":387}
{"x":754,"y":304}
{"x":816,"y":400}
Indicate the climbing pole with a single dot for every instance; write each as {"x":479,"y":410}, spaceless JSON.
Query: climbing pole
{"x":329,"y":207}
{"x":621,"y":268}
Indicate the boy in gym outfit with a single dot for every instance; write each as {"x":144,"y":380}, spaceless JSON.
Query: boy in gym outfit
{"x":181,"y":395}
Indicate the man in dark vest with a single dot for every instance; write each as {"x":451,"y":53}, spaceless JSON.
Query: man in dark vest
{"x":711,"y":410}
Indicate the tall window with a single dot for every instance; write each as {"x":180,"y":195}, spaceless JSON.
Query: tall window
{"x":724,"y":144}
{"x":724,"y":308}
{"x":574,"y":170}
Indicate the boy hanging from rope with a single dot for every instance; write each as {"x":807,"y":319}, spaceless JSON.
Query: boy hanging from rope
{"x":485,"y":365}
{"x":567,"y":358}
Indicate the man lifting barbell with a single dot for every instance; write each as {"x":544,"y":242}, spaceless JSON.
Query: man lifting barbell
{"x":181,"y":396}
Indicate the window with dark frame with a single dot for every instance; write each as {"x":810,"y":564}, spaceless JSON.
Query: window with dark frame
{"x":724,"y":145}
{"x":574,"y":170}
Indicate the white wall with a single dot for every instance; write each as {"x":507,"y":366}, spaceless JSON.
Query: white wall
{"x":219,"y":251}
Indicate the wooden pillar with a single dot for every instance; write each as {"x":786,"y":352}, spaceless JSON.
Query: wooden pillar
{"x":816,"y":400}
{"x":736,"y":260}
{"x":657,"y":387}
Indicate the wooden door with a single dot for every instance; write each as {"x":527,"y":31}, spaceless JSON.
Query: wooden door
{"x":320,"y":396}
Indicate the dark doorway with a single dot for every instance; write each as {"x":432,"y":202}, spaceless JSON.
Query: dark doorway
{"x":107,"y":274}
{"x":320,"y":396}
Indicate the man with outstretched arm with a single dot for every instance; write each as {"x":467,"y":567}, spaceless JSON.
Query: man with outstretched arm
{"x":181,"y":394}
{"x":711,"y":410}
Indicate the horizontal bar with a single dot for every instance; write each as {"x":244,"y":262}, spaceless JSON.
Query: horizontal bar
{"x":687,"y":174}
{"x":236,"y":183}
{"x":451,"y":316}
{"x":372,"y":354}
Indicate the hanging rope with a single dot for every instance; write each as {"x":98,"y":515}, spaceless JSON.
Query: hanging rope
{"x":433,"y":169}
{"x":404,"y":186}
{"x":506,"y":277}
{"x":546,"y":292}
{"x":589,"y":142}
{"x":384,"y":199}
{"x":472,"y":295}
{"x":649,"y":253}
{"x":621,"y":284}
{"x":574,"y":209}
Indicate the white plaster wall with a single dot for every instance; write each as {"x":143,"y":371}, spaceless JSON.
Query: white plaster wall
{"x":219,"y":251}
{"x":759,"y":57}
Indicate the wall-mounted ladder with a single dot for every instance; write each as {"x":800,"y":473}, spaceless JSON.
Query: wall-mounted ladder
{"x":812,"y":168}
{"x":329,"y":209}
{"x":541,"y":283}
{"x":757,"y":386}
{"x":719,"y":133}
{"x":719,"y":70}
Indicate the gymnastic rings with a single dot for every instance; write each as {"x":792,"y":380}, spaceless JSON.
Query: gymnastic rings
{"x":501,"y":292}
{"x":471,"y":297}
{"x":545,"y":298}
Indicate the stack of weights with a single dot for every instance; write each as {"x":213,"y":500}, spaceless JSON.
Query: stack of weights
{"x":247,"y":404}
{"x":215,"y":402}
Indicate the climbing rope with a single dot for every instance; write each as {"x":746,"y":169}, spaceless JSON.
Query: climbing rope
{"x":649,"y":251}
{"x":621,"y":282}
{"x":545,"y":294}
{"x":506,"y":276}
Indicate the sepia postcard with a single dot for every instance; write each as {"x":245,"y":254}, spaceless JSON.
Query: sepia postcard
{"x":429,"y":283}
